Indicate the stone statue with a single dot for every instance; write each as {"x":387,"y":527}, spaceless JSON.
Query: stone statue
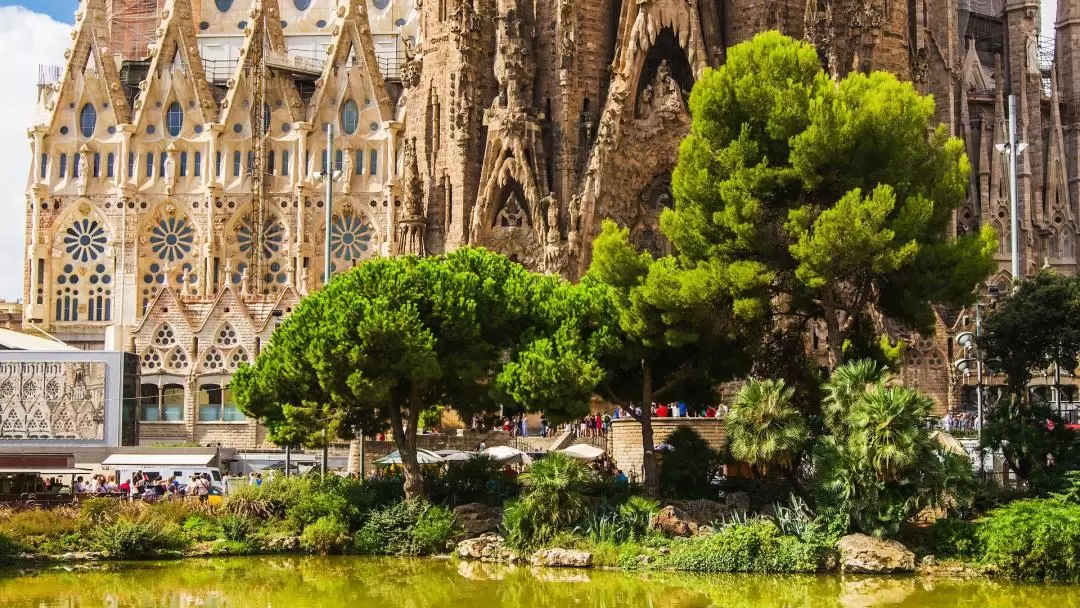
{"x":346,"y":170}
{"x":84,"y":173}
{"x":170,"y":172}
{"x":290,"y":276}
{"x":228,"y":272}
{"x":1033,"y":55}
{"x":244,"y":282}
{"x":185,"y":281}
{"x":303,"y":281}
{"x":573,"y":214}
{"x":645,"y":102}
{"x":552,"y":210}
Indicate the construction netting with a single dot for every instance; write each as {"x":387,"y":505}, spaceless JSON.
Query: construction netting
{"x":132,"y":25}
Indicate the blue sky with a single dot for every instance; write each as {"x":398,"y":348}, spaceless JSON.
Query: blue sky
{"x":60,"y":10}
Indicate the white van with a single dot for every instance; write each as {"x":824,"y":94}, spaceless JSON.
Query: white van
{"x":181,"y":466}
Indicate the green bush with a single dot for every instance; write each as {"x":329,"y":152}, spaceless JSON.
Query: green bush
{"x":8,"y":549}
{"x":138,"y":538}
{"x":688,"y":470}
{"x":201,"y":528}
{"x":324,"y":536}
{"x":756,"y":546}
{"x":553,"y":501}
{"x":1034,"y":540}
{"x":953,"y":537}
{"x":406,"y":528}
{"x":236,"y":528}
{"x":99,"y":510}
{"x":636,"y":514}
{"x":479,"y":479}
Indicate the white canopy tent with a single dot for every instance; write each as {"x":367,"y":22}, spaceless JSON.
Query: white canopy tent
{"x":422,"y":457}
{"x":583,"y":451}
{"x":504,"y":454}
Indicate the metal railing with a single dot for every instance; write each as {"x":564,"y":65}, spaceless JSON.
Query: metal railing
{"x":294,"y":62}
{"x":219,"y":71}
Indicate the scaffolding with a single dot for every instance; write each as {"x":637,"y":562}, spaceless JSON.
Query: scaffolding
{"x":132,"y":26}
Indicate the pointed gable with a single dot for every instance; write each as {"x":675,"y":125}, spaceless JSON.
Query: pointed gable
{"x":176,"y":73}
{"x":226,"y":300}
{"x":262,"y":37}
{"x":286,"y":302}
{"x":351,"y":65}
{"x":90,"y":74}
{"x":1056,"y":191}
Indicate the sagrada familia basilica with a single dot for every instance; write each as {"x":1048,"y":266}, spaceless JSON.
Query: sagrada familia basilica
{"x":177,"y":194}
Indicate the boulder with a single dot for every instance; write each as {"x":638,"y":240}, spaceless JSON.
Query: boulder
{"x":476,"y":519}
{"x":868,"y":555}
{"x":486,"y":548}
{"x":738,"y":500}
{"x":562,"y":558}
{"x":702,"y":510}
{"x":674,"y":521}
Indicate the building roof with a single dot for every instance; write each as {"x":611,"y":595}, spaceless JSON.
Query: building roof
{"x":163,"y":460}
{"x":14,"y":340}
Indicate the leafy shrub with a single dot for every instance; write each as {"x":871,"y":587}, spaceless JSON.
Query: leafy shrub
{"x":552,"y":501}
{"x":953,"y":537}
{"x":754,"y":547}
{"x":320,"y":504}
{"x":636,"y":514}
{"x":324,"y":536}
{"x":407,"y":528}
{"x":478,"y":479}
{"x":137,"y":538}
{"x":688,"y":470}
{"x":1034,"y":540}
{"x":99,"y":510}
{"x":8,"y":549}
{"x":200,"y":528}
{"x":236,"y":528}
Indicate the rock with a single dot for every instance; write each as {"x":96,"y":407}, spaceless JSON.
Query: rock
{"x":562,"y":558}
{"x":738,"y":500}
{"x":674,"y":521}
{"x":476,"y":519}
{"x":868,"y":555}
{"x":282,"y":544}
{"x":702,"y":510}
{"x":486,"y":548}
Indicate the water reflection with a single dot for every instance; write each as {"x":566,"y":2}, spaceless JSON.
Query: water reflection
{"x":309,"y":582}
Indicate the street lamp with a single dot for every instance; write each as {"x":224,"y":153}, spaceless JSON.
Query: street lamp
{"x":1013,"y":149}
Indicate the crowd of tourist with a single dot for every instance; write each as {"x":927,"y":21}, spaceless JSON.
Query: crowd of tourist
{"x":960,"y":422}
{"x":141,"y":485}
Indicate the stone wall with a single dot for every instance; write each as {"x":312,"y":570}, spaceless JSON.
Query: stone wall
{"x":625,"y":441}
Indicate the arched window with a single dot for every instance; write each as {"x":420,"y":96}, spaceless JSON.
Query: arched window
{"x":87,"y":120}
{"x":82,"y":277}
{"x":302,"y":5}
{"x":164,"y":404}
{"x":174,"y":118}
{"x":350,"y":117}
{"x":223,"y":5}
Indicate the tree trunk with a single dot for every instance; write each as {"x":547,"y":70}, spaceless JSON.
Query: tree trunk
{"x":354,"y":456}
{"x":650,"y":468}
{"x":405,"y":440}
{"x":832,"y":325}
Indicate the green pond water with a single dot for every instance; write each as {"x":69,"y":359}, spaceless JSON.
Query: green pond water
{"x":307,"y":582}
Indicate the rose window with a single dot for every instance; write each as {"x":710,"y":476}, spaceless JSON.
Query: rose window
{"x":172,"y":239}
{"x":273,"y":236}
{"x":85,"y":240}
{"x":350,"y":237}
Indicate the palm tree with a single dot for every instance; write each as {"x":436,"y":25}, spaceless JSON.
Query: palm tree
{"x":889,"y":431}
{"x":848,"y":384}
{"x":764,"y":428}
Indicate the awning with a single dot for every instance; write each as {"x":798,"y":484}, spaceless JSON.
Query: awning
{"x":45,"y":471}
{"x":949,"y":443}
{"x":422,"y":457}
{"x":505,"y":454}
{"x":456,"y":455}
{"x":583,"y":451}
{"x":158,"y":460}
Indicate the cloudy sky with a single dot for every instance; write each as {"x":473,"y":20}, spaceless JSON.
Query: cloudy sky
{"x":37,"y":33}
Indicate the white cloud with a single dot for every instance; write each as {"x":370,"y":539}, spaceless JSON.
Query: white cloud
{"x":26,"y":39}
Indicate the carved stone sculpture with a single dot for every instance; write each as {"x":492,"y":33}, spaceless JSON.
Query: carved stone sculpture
{"x":84,"y":173}
{"x":170,"y":171}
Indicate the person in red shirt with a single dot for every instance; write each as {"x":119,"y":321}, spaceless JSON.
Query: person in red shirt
{"x":662,"y":411}
{"x":710,"y":412}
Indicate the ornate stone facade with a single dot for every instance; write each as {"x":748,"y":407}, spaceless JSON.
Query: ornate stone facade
{"x":155,"y":225}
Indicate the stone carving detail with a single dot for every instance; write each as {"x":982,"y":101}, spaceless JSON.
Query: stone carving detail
{"x":515,"y":64}
{"x":663,"y":93}
{"x":84,"y":173}
{"x":170,"y":170}
{"x":412,"y":226}
{"x":52,"y":400}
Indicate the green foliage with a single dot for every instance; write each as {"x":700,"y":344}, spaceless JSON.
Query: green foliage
{"x":324,"y":536}
{"x":412,"y":527}
{"x":200,"y":528}
{"x":478,"y":479}
{"x":237,"y":528}
{"x":877,"y":467}
{"x":764,"y":428}
{"x":396,"y":336}
{"x":129,"y":538}
{"x":9,"y":549}
{"x":1034,"y":540}
{"x":1034,"y":440}
{"x":552,"y":501}
{"x":34,"y":526}
{"x":689,"y":469}
{"x":818,"y":196}
{"x":99,"y":510}
{"x":636,"y":514}
{"x":958,"y":538}
{"x":322,"y":504}
{"x":757,"y":546}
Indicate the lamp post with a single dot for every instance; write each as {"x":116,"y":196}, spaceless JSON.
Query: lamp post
{"x":1012,"y":149}
{"x":329,"y":176}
